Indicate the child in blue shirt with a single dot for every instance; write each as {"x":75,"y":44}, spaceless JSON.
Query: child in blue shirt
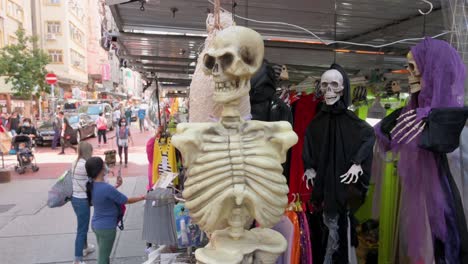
{"x":107,"y":202}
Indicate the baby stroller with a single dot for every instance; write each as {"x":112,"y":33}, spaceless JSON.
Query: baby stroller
{"x":24,"y":155}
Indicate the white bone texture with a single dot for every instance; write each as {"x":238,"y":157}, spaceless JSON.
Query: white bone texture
{"x":414,"y":77}
{"x":309,"y":176}
{"x":331,"y":85}
{"x":234,"y":167}
{"x":202,"y":106}
{"x":353,"y":174}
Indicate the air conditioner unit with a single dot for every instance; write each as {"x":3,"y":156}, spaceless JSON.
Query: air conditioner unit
{"x":76,"y":63}
{"x":51,"y":36}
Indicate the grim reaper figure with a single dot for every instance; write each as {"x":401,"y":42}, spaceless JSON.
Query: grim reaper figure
{"x":432,"y":226}
{"x":337,"y":157}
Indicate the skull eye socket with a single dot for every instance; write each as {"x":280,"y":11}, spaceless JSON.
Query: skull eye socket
{"x":323,"y":85}
{"x":226,"y":60}
{"x":411,"y":67}
{"x":332,"y":85}
{"x":209,"y":61}
{"x":247,"y":56}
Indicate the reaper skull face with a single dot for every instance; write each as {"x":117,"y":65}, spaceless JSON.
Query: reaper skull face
{"x":331,"y":86}
{"x":235,"y":55}
{"x":415,"y":76}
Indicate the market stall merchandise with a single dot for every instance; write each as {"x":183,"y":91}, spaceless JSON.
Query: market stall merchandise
{"x":240,"y":163}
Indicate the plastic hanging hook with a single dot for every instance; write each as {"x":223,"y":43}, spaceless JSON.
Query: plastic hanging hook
{"x":430,"y":10}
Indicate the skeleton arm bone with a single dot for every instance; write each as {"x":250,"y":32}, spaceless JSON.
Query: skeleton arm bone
{"x":353,"y":174}
{"x":309,"y":176}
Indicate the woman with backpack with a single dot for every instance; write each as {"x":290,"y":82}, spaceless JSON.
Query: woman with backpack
{"x":101,"y":124}
{"x":108,"y":205}
{"x":65,"y":136}
{"x":122,"y":136}
{"x":80,"y":203}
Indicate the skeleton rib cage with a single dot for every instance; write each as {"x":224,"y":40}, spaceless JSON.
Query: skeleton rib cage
{"x":231,"y":169}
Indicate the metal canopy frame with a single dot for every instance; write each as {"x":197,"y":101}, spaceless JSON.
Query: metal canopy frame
{"x":163,"y":42}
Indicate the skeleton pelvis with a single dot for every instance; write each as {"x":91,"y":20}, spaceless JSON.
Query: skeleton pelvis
{"x":259,"y":245}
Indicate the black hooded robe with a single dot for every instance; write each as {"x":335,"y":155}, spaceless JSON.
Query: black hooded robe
{"x":335,"y":140}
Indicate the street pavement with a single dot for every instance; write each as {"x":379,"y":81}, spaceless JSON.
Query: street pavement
{"x":30,"y":232}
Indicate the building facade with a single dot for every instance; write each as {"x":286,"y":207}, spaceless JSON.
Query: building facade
{"x":13,"y":14}
{"x":62,"y":28}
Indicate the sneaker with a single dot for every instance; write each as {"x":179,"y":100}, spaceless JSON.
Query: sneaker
{"x":61,"y":153}
{"x":90,"y":249}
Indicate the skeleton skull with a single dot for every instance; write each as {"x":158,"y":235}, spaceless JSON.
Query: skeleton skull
{"x":396,"y":87}
{"x":235,"y":55}
{"x":415,"y":76}
{"x":331,"y":85}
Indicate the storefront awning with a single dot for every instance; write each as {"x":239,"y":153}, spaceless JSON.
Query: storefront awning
{"x":161,"y":41}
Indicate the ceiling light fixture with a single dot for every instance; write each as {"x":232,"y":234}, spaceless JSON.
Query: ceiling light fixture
{"x":402,"y":71}
{"x":359,"y":51}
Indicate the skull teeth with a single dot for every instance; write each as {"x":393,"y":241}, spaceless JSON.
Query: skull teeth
{"x":225,"y":86}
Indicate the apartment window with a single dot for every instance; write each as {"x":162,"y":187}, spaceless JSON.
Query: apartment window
{"x":56,"y":56}
{"x":76,"y":9}
{"x":15,"y":11}
{"x":53,"y":2}
{"x":54,"y":27}
{"x":77,"y":35}
{"x":77,"y":60}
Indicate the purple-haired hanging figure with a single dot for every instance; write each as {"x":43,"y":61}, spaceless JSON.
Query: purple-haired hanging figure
{"x":432,"y":225}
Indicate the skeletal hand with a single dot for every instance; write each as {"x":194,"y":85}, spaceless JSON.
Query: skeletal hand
{"x":409,"y":122}
{"x":309,"y":175}
{"x":353,"y":174}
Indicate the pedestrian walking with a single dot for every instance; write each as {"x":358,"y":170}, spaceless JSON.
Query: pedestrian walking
{"x":123,"y":136}
{"x":101,"y":124}
{"x":80,"y":202}
{"x":57,"y":125}
{"x":65,"y":136}
{"x":141,"y":119}
{"x":107,"y":202}
{"x":128,"y":115}
{"x":13,"y":123}
{"x":116,"y":116}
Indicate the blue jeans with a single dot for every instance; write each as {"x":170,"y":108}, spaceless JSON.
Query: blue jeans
{"x":82,"y":211}
{"x":56,"y":139}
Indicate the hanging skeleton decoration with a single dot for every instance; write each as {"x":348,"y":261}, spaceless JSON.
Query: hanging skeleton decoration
{"x":337,"y":157}
{"x":234,"y":166}
{"x":433,"y":227}
{"x":409,"y":124}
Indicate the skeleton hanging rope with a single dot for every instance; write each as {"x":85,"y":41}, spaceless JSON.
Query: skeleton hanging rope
{"x":234,"y":166}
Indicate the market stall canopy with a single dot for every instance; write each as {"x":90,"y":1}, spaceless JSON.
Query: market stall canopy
{"x":166,"y":37}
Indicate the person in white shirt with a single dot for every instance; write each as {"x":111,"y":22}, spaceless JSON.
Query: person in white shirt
{"x":80,"y":202}
{"x":116,"y":116}
{"x":101,"y":124}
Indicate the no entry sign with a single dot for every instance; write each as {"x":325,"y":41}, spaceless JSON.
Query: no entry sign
{"x":51,"y":78}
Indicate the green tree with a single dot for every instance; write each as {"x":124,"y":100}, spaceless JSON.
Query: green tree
{"x":23,"y":65}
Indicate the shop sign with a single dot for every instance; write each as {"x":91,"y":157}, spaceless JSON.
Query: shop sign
{"x":76,"y":93}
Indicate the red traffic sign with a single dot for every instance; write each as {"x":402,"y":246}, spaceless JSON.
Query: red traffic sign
{"x":51,"y":78}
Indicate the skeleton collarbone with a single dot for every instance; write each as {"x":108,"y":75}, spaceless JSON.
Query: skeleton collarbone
{"x":230,"y":168}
